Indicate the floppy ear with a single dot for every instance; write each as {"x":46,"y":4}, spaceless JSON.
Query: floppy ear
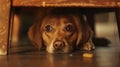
{"x":34,"y":35}
{"x":84,"y":32}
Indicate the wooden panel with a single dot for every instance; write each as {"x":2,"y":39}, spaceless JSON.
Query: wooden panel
{"x":62,"y":3}
{"x":4,"y":24}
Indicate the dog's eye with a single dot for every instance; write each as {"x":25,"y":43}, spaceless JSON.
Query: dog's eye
{"x":48,"y":28}
{"x":69,"y":28}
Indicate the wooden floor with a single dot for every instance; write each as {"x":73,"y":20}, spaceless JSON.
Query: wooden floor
{"x":101,"y":57}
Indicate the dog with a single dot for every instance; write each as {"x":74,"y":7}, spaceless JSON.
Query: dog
{"x":61,"y":33}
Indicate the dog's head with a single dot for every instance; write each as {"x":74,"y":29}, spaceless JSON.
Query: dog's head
{"x":60,"y":33}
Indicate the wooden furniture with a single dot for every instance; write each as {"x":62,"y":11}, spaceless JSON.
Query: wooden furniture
{"x":6,"y":5}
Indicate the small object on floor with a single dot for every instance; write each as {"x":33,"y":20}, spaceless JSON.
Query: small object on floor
{"x":87,"y":55}
{"x":71,"y":55}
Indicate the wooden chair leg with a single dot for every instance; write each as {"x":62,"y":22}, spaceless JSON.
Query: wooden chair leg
{"x":118,"y":20}
{"x":4,"y":24}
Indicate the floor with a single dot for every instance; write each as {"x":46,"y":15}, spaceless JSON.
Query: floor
{"x":101,"y":57}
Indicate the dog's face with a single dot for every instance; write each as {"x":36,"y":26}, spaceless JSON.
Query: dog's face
{"x":60,"y":33}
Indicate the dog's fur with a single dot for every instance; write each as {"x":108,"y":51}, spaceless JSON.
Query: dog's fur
{"x":61,"y":33}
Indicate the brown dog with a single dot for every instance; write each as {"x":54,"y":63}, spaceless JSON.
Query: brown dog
{"x":61,"y":33}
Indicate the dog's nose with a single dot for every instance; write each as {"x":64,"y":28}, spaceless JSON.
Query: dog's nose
{"x":59,"y":44}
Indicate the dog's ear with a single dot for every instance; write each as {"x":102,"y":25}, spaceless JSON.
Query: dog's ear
{"x":34,"y":35}
{"x":84,"y":32}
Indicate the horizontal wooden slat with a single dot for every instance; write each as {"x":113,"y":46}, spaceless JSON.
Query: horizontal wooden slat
{"x":64,"y":3}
